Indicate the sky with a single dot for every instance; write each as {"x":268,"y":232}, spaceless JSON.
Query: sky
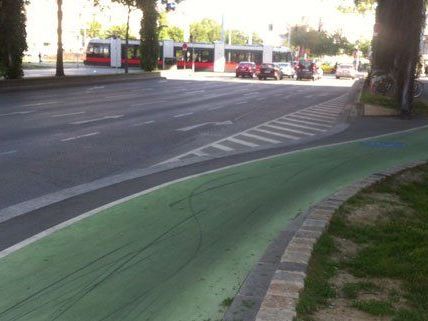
{"x":246,"y":15}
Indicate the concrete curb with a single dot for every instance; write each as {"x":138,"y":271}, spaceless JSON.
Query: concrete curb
{"x":288,"y":278}
{"x":72,"y":81}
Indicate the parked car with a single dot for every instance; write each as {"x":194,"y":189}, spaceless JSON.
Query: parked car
{"x":269,"y":71}
{"x":287,"y":69}
{"x":345,"y":71}
{"x":308,"y":70}
{"x":246,"y":69}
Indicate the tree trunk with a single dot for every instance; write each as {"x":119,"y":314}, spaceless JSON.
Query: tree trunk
{"x":59,"y":53}
{"x":127,"y":42}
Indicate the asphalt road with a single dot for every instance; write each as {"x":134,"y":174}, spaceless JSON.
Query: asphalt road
{"x":59,"y":138}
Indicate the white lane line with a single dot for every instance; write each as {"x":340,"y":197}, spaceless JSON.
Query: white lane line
{"x":199,"y":153}
{"x":18,"y":113}
{"x":78,"y":137}
{"x":313,"y":118}
{"x":40,"y":104}
{"x":288,"y":130}
{"x":241,"y":102}
{"x":194,"y":92}
{"x":292,"y":130}
{"x":242,"y":142}
{"x":70,"y":114}
{"x":275,"y":133}
{"x":121,"y":96}
{"x":222,"y":147}
{"x":269,"y":140}
{"x":96,"y":119}
{"x":144,"y":123}
{"x":215,"y":108}
{"x":299,"y":126}
{"x":289,"y":118}
{"x":183,"y":115}
{"x":9,"y":152}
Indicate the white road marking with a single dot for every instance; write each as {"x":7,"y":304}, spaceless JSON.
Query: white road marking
{"x":199,"y":153}
{"x":18,"y":113}
{"x":40,"y":104}
{"x":96,"y":119}
{"x":183,"y":115}
{"x":292,"y":130}
{"x":121,"y":96}
{"x":316,"y":115}
{"x":222,"y":147}
{"x":242,"y":142}
{"x":9,"y":152}
{"x":215,"y":108}
{"x":289,"y":118}
{"x":327,"y":108}
{"x":241,"y":102}
{"x":299,"y":126}
{"x":144,"y":123}
{"x":269,"y":140}
{"x":186,"y":129}
{"x":94,"y":88}
{"x":275,"y":133}
{"x":324,"y":112}
{"x":194,"y":92}
{"x":78,"y":137}
{"x":287,"y":129}
{"x":312,"y":118}
{"x":260,"y":99}
{"x":70,"y":114}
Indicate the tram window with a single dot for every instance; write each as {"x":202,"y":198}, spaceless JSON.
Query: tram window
{"x":99,"y":50}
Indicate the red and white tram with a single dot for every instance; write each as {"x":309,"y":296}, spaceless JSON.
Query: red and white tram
{"x":206,"y":57}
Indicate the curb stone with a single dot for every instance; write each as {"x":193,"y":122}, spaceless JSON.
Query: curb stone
{"x":279,"y":301}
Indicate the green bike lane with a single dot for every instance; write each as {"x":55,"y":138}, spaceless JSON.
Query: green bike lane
{"x":176,"y":253}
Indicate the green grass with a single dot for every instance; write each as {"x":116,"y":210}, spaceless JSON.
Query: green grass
{"x":351,"y":290}
{"x":380,"y":100}
{"x":395,"y":248}
{"x":321,"y":268}
{"x":226,"y":302}
{"x":374,"y":307}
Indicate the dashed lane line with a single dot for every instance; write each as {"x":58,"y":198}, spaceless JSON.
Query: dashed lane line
{"x":9,"y":152}
{"x":183,"y":115}
{"x":88,"y":121}
{"x":41,"y":104}
{"x":79,"y":137}
{"x":18,"y":113}
{"x":69,"y":114}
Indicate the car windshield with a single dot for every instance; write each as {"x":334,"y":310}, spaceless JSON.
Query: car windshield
{"x":246,"y":64}
{"x":268,"y":66}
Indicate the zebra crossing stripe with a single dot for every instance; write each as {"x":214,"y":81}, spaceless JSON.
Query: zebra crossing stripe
{"x":311,"y":118}
{"x":299,"y":126}
{"x":291,"y":130}
{"x":242,"y":142}
{"x":222,"y":147}
{"x":289,"y":118}
{"x":275,"y":133}
{"x":269,"y":140}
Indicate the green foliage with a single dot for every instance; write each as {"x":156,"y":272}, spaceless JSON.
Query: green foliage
{"x":94,"y":30}
{"x":351,"y":290}
{"x":206,"y":30}
{"x":167,"y":31}
{"x":118,"y":31}
{"x":319,"y":42}
{"x":257,"y":40}
{"x":149,"y":34}
{"x":374,"y":307}
{"x":237,"y":37}
{"x":12,"y":37}
{"x":321,"y":268}
{"x":360,"y":6}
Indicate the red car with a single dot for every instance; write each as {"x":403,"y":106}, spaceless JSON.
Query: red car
{"x":245,"y":69}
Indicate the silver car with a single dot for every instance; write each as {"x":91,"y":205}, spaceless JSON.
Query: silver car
{"x":287,"y":69}
{"x":345,"y":71}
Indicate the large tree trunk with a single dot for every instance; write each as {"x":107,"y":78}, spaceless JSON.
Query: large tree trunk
{"x":127,"y":42}
{"x":59,"y":53}
{"x":410,"y":26}
{"x":396,"y":47}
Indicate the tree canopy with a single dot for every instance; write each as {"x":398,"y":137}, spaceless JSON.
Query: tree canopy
{"x":167,"y":31}
{"x":206,"y":30}
{"x":319,"y":42}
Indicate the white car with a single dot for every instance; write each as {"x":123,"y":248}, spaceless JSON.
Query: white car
{"x":345,"y":71}
{"x":287,"y":69}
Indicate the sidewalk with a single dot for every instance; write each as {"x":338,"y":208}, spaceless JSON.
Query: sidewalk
{"x":181,"y":252}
